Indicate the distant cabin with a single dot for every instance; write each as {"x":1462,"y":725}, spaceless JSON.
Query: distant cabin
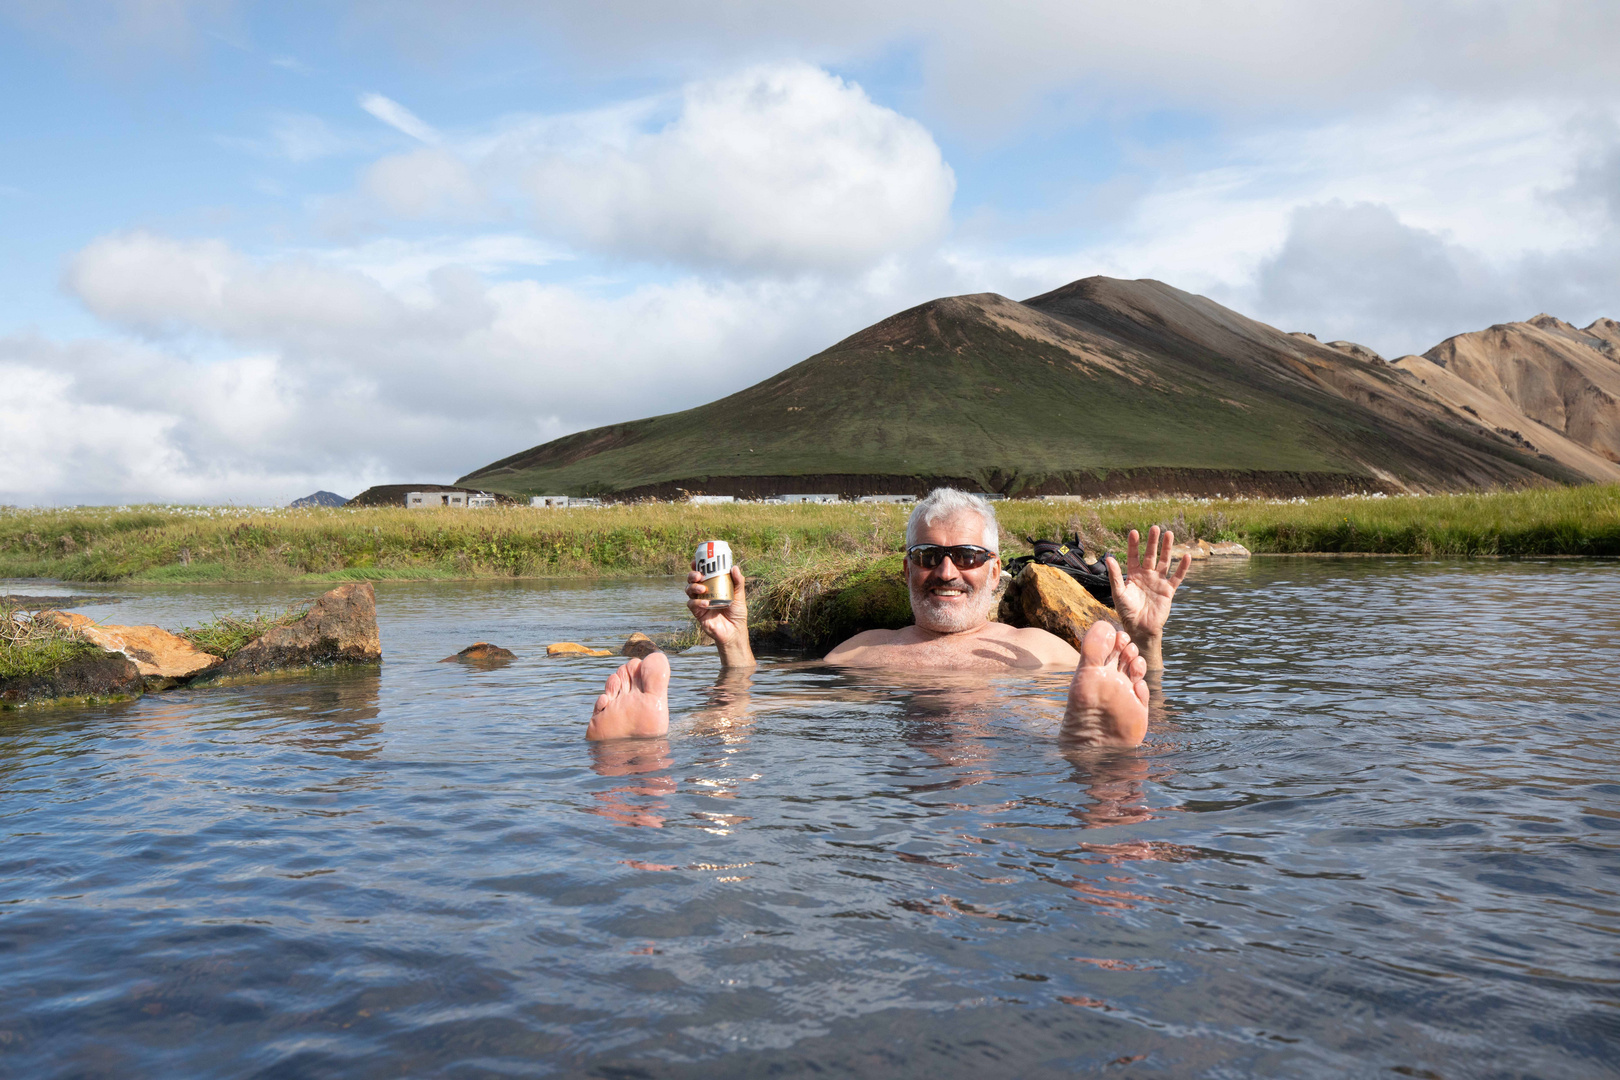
{"x":548,"y":502}
{"x":809,"y":498}
{"x":460,"y":500}
{"x":887,"y":499}
{"x":711,"y":500}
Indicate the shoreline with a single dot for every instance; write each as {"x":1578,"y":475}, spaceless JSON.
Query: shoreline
{"x":587,"y":575}
{"x":228,"y":545}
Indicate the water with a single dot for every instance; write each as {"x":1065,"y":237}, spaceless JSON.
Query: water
{"x":1374,"y":833}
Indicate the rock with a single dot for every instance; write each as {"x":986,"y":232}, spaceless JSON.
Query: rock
{"x":481,"y":652}
{"x":1229,"y":549}
{"x":340,"y":629}
{"x":1198,"y":549}
{"x":1047,"y":598}
{"x":98,"y":677}
{"x":574,"y":648}
{"x":162,"y":658}
{"x":638,"y":644}
{"x":817,"y":613}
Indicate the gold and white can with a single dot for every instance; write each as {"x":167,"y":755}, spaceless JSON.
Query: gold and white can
{"x":713,"y":561}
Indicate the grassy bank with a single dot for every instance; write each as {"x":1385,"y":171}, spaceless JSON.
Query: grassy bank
{"x":160,"y":544}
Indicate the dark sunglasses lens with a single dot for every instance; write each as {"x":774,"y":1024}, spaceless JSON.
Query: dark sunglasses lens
{"x":967,"y":558}
{"x":929,"y":556}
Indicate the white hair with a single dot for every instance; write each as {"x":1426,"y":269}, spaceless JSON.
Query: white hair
{"x":947,"y":504}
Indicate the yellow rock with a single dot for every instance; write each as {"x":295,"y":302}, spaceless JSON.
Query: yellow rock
{"x":162,"y":658}
{"x":1047,"y":598}
{"x":1229,"y":549}
{"x":574,"y":648}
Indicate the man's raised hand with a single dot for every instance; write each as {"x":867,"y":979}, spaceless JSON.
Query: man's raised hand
{"x":1143,"y":593}
{"x":728,"y":626}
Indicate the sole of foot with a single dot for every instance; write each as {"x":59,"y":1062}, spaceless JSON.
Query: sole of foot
{"x":1108,"y":699}
{"x":635,"y":702}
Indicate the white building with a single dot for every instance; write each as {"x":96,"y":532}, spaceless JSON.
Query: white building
{"x":430,"y":500}
{"x":809,"y":498}
{"x":711,"y":500}
{"x":548,"y":502}
{"x":481,"y":501}
{"x":887,"y":499}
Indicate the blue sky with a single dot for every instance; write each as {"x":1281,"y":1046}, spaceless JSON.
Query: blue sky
{"x":256,"y":249}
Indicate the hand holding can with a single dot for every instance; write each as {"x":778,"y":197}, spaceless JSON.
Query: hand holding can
{"x":713,"y":561}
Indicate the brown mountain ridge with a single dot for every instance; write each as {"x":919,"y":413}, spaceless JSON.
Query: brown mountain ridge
{"x":1111,"y":386}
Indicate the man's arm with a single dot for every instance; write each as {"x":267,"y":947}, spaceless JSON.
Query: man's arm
{"x":727,"y":625}
{"x":1143,"y":593}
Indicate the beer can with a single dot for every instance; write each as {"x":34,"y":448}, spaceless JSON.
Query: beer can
{"x":713,"y":561}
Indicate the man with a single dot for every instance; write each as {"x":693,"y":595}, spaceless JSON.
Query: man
{"x":953,"y":570}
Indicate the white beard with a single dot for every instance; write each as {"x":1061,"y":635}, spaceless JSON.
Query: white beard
{"x":953,"y":616}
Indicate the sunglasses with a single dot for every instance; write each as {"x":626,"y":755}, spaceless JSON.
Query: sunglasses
{"x":963,"y":556}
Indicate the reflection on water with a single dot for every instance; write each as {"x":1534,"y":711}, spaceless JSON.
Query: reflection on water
{"x":1373,"y":831}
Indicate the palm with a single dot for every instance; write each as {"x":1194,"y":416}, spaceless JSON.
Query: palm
{"x":723,"y":624}
{"x":1142,"y":594}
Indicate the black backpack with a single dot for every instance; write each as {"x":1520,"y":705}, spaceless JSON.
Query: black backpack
{"x":1070,"y":557}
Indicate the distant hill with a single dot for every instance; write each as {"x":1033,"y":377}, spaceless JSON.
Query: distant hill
{"x":320,"y":498}
{"x":1542,"y":384}
{"x":1101,"y":386}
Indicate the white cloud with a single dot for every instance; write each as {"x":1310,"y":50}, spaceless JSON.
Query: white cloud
{"x":988,"y":71}
{"x":782,"y":168}
{"x":263,"y":378}
{"x":778,"y":169}
{"x":399,"y":117}
{"x":426,"y":183}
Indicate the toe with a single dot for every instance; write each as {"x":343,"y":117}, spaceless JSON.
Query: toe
{"x":654,"y":674}
{"x":1097,"y":645}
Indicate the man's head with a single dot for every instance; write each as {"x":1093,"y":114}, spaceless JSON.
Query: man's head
{"x":948,"y":598}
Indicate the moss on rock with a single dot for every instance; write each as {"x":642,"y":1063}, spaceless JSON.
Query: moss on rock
{"x":818,"y":606}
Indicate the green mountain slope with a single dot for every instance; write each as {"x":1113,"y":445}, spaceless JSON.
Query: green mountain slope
{"x":1102,"y":385}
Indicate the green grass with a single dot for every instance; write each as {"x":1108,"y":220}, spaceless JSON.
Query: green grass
{"x":151,"y":544}
{"x":225,"y":635}
{"x":29,"y":647}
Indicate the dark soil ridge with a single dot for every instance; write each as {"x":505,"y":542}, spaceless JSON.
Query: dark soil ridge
{"x":1151,"y":481}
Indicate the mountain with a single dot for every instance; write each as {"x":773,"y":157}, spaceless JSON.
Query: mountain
{"x":1101,"y":386}
{"x":1543,"y":384}
{"x":320,"y":498}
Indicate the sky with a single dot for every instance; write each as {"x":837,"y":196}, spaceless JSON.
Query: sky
{"x":252,"y":250}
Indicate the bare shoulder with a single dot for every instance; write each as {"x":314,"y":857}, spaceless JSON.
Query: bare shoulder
{"x":1048,"y":648}
{"x":866,"y":639}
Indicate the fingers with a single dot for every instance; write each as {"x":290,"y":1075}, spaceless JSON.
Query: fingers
{"x":1131,"y":549}
{"x":1161,"y":561}
{"x":1116,"y":580}
{"x":1181,"y":571}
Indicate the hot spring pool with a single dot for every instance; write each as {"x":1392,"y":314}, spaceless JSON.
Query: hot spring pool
{"x":1375,"y":831}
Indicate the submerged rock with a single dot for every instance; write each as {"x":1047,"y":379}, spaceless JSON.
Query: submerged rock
{"x":481,"y":652}
{"x":97,"y":677}
{"x":162,"y":658}
{"x":639,"y":645}
{"x":340,"y":629}
{"x":1047,"y":598}
{"x":574,"y":648}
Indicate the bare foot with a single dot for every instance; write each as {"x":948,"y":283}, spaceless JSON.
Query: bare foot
{"x":1108,"y":699}
{"x":635,"y":702}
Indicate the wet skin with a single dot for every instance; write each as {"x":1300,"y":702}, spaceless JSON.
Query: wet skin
{"x":1108,"y":697}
